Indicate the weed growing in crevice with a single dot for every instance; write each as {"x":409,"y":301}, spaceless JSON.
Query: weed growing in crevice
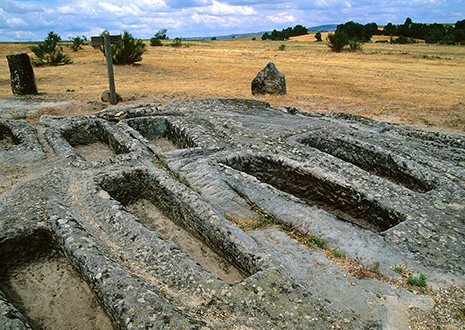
{"x":360,"y":271}
{"x":353,"y":267}
{"x":417,"y":281}
{"x":309,"y":239}
{"x":338,"y":254}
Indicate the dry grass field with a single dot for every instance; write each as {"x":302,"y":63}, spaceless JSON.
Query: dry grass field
{"x":416,"y":84}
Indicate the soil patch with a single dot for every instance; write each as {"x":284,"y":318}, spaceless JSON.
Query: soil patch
{"x":163,"y":143}
{"x":49,"y":294}
{"x":155,"y":220}
{"x":94,"y":151}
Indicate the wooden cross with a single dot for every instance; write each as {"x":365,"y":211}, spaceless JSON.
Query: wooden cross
{"x":108,"y":40}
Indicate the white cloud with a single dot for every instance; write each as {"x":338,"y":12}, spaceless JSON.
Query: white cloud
{"x":218,"y":8}
{"x":22,"y":19}
{"x":282,"y":18}
{"x":15,"y":22}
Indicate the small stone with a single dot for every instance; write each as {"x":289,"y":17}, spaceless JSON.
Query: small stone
{"x":106,"y":96}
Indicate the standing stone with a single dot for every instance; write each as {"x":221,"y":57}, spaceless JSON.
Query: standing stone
{"x":22,"y":77}
{"x":269,"y":81}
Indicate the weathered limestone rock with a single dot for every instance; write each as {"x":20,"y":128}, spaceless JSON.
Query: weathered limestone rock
{"x":269,"y":81}
{"x":107,"y":98}
{"x":21,"y":74}
{"x":384,"y":194}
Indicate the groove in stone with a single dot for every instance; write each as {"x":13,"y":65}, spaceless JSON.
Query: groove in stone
{"x":93,"y":141}
{"x":42,"y":285}
{"x":7,"y":137}
{"x":162,"y":133}
{"x":343,"y":202}
{"x":154,"y":206}
{"x":371,"y":160}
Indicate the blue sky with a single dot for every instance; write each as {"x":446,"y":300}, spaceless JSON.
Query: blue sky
{"x":31,"y":20}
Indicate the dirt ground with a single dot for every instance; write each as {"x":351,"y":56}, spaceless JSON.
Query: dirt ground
{"x":151,"y":217}
{"x":417,"y":84}
{"x":53,"y":297}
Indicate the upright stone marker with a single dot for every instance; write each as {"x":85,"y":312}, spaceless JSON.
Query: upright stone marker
{"x":22,"y":77}
{"x":108,"y":40}
{"x":269,"y":81}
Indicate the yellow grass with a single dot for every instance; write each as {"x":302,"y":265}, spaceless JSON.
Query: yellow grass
{"x":419,"y":83}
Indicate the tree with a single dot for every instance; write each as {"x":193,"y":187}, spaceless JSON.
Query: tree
{"x":318,"y":36}
{"x":460,"y":25}
{"x":357,"y":31}
{"x":161,"y":34}
{"x":337,"y":41}
{"x":129,"y":51}
{"x":49,"y":53}
{"x":389,"y":29}
{"x":266,"y":36}
{"x":285,"y":33}
{"x":158,"y":37}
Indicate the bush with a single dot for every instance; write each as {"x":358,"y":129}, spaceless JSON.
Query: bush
{"x":355,"y":46}
{"x":177,"y":42}
{"x":77,"y":43}
{"x":318,"y":36}
{"x":337,"y":41}
{"x":404,"y":40}
{"x":129,"y":51}
{"x":49,"y":53}
{"x":455,"y":38}
{"x":282,"y":47}
{"x":154,"y":41}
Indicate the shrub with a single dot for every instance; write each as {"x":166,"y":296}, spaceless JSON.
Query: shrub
{"x":337,"y":41}
{"x":77,"y":43}
{"x":355,"y":46}
{"x":282,"y":47}
{"x":318,"y":36}
{"x":404,"y":40}
{"x":177,"y":42}
{"x":49,"y":53}
{"x":129,"y":51}
{"x":154,"y":41}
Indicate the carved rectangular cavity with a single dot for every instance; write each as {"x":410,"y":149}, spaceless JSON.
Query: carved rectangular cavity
{"x":343,"y":202}
{"x":7,"y":138}
{"x":161,"y":133}
{"x":370,"y":159}
{"x":39,"y":281}
{"x":159,"y":210}
{"x":93,"y":141}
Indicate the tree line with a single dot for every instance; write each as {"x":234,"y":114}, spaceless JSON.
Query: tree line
{"x":407,"y":33}
{"x":284,"y":34}
{"x":449,"y":34}
{"x":432,"y":33}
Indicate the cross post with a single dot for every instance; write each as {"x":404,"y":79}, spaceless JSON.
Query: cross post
{"x":107,"y":41}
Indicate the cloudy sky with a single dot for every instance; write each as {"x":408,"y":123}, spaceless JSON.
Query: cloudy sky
{"x":25,"y":20}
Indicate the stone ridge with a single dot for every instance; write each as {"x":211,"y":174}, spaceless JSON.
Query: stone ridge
{"x":382,"y":193}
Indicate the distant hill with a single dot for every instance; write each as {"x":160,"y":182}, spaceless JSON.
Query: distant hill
{"x":327,"y":27}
